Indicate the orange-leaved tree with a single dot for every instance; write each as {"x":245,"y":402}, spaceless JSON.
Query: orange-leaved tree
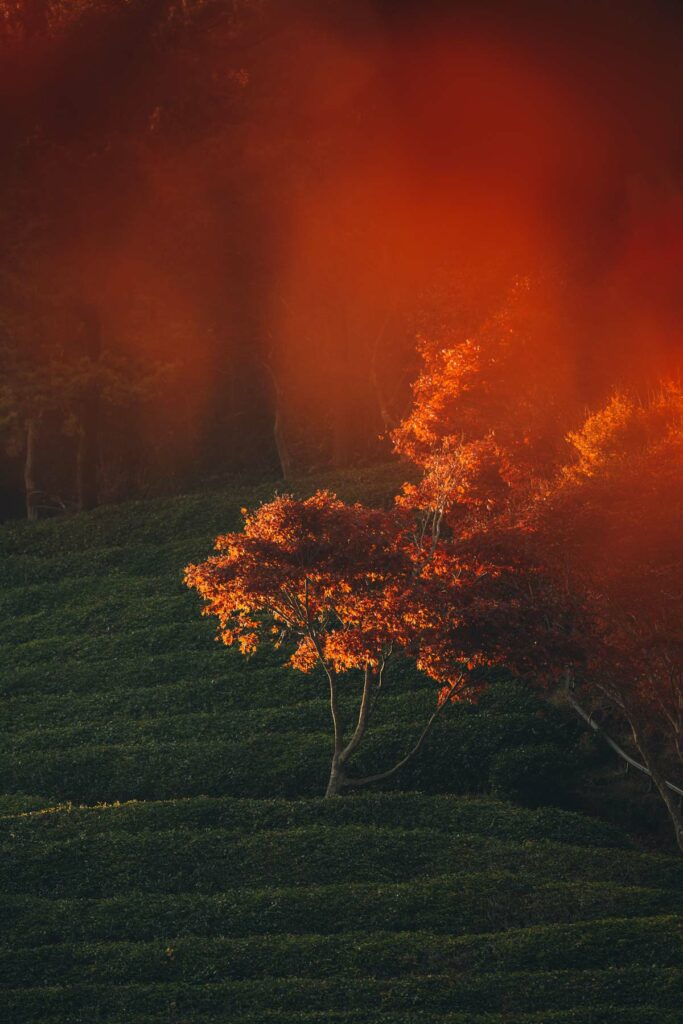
{"x":349,"y":587}
{"x":591,"y":519}
{"x":609,"y":527}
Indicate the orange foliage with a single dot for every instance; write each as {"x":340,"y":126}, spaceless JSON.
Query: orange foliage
{"x":321,"y":573}
{"x":553,"y":553}
{"x":612,"y":524}
{"x":609,"y":529}
{"x":489,"y":412}
{"x":585,"y":529}
{"x":346,"y":584}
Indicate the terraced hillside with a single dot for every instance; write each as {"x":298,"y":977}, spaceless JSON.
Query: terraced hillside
{"x":225,"y":889}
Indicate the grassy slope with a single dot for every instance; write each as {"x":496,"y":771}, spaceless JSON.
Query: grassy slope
{"x":200,"y":903}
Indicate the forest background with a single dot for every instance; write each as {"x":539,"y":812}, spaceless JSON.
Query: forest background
{"x":224,"y":224}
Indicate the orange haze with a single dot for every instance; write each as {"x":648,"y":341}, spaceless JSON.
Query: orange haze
{"x":368,"y":171}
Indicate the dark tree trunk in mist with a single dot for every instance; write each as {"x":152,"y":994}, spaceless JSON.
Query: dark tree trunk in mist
{"x":342,"y":397}
{"x":387,"y":417}
{"x":88,"y":456}
{"x":281,"y":444}
{"x":30,"y":485}
{"x":86,"y":470}
{"x":284,"y":456}
{"x":342,"y":447}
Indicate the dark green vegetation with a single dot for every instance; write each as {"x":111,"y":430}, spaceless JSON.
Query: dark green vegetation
{"x":215,"y":896}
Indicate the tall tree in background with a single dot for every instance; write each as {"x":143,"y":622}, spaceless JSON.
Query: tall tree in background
{"x":89,"y":415}
{"x":287,"y":180}
{"x":45,"y":390}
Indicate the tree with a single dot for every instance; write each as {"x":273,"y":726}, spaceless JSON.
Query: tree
{"x":87,"y":414}
{"x":40,"y":384}
{"x":609,"y":528}
{"x":350,"y":588}
{"x":434,"y":578}
{"x":26,"y":396}
{"x":45,"y":385}
{"x":589,"y":522}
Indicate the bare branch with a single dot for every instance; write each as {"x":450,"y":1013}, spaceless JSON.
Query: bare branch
{"x":361,"y":725}
{"x":331,"y":679}
{"x":415,"y":750}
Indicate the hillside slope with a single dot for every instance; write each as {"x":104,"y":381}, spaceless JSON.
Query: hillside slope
{"x":225,"y":889}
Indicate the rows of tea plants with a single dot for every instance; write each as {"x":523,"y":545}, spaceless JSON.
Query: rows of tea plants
{"x":167,"y":856}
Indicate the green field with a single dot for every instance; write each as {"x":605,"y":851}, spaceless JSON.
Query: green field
{"x":166,"y":855}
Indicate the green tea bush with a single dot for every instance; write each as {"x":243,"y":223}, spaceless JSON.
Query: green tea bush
{"x":534,"y":774}
{"x":477,"y":816}
{"x":20,"y":803}
{"x":453,"y":904}
{"x":232,"y":898}
{"x":214,"y":723}
{"x":215,"y":860}
{"x":161,"y":762}
{"x":613,"y":944}
{"x":524,"y":992}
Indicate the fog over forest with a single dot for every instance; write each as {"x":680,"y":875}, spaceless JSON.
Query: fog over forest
{"x":245,"y":212}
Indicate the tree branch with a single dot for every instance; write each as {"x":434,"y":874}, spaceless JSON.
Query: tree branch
{"x":361,"y":725}
{"x":380,"y":681}
{"x":332,"y":683}
{"x":615,"y":746}
{"x":415,"y":750}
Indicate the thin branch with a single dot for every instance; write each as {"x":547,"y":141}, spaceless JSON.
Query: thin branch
{"x":380,"y":682}
{"x":615,"y":746}
{"x":361,"y":725}
{"x":415,"y":750}
{"x":334,"y":702}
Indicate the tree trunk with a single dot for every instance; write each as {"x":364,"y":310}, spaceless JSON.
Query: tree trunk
{"x":672,"y":806}
{"x":337,"y":782}
{"x":388,"y":419}
{"x":86,"y":470}
{"x":670,"y":797}
{"x":341,"y":438}
{"x":342,"y":389}
{"x":30,"y":488}
{"x":89,"y":437}
{"x":282,"y":448}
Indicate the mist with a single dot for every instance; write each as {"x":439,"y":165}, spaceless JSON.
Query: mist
{"x":266,"y":203}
